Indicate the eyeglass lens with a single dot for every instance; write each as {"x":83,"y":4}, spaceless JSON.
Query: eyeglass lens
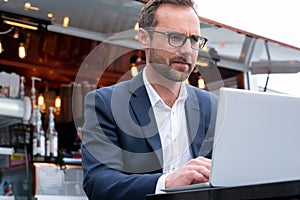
{"x":178,"y":40}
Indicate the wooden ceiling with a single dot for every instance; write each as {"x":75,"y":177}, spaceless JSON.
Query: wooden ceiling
{"x":55,"y":58}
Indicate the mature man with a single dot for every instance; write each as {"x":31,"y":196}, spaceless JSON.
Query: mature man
{"x":146,"y":134}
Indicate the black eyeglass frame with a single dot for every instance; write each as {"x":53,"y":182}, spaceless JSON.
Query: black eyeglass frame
{"x":195,"y":38}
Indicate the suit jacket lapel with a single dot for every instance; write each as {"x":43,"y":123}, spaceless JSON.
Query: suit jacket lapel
{"x":141,"y":107}
{"x":193,"y":119}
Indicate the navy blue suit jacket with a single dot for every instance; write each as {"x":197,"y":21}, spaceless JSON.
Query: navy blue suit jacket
{"x":121,"y":148}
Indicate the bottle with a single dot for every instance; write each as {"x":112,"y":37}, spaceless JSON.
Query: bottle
{"x":22,"y":87}
{"x":33,"y":99}
{"x":38,"y":135}
{"x":51,"y":136}
{"x":34,"y":133}
{"x":33,"y":90}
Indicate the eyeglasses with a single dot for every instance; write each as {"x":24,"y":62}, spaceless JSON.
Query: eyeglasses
{"x":178,"y":39}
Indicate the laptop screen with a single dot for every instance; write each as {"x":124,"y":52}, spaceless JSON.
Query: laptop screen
{"x":257,"y":138}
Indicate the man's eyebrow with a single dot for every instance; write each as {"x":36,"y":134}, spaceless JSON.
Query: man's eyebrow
{"x":195,"y":37}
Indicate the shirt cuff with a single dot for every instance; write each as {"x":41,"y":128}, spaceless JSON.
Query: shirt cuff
{"x":161,"y":184}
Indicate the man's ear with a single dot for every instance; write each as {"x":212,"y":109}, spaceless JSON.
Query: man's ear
{"x":143,"y":38}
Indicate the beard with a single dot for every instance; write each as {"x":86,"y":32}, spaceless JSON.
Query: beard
{"x":163,"y":65}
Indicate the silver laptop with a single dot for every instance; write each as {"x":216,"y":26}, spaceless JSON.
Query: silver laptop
{"x":257,"y":139}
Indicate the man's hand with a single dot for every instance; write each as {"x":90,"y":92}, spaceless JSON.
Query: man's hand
{"x":195,"y":171}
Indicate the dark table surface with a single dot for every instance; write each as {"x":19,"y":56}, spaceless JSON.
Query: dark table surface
{"x":280,"y":190}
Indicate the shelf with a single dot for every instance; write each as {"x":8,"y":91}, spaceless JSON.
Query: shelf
{"x":7,"y":198}
{"x":75,"y":161}
{"x":6,"y":150}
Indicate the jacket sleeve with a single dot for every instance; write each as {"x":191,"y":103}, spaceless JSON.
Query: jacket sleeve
{"x":103,"y":157}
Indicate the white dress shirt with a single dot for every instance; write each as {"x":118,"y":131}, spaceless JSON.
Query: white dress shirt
{"x":172,"y":127}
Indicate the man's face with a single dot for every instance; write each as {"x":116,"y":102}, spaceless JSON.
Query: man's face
{"x":174,"y":63}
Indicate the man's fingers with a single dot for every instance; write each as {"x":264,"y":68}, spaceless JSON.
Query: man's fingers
{"x":204,"y":171}
{"x":201,"y":161}
{"x":199,"y":178}
{"x":206,"y":162}
{"x":195,"y":171}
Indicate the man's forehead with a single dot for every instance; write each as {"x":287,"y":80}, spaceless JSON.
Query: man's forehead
{"x":182,"y":19}
{"x":176,"y":13}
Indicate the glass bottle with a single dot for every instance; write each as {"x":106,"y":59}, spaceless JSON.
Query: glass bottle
{"x":51,"y":135}
{"x":38,"y":135}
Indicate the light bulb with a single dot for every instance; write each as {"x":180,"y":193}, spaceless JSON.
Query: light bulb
{"x":27,"y":5}
{"x":66,"y":21}
{"x":41,"y":100}
{"x":201,"y":83}
{"x":136,"y":26}
{"x":134,"y":70}
{"x":57,"y":102}
{"x":50,"y":15}
{"x":1,"y":48}
{"x":22,"y":52}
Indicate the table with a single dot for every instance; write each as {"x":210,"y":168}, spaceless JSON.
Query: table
{"x":280,"y":190}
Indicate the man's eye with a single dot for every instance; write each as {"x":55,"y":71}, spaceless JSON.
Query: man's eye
{"x":177,"y":37}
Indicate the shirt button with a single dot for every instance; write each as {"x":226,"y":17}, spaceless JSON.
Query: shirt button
{"x":172,"y":168}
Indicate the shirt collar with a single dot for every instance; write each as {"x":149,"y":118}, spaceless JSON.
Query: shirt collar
{"x":155,"y":98}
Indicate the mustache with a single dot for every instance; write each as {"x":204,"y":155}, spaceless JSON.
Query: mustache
{"x":180,"y":59}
